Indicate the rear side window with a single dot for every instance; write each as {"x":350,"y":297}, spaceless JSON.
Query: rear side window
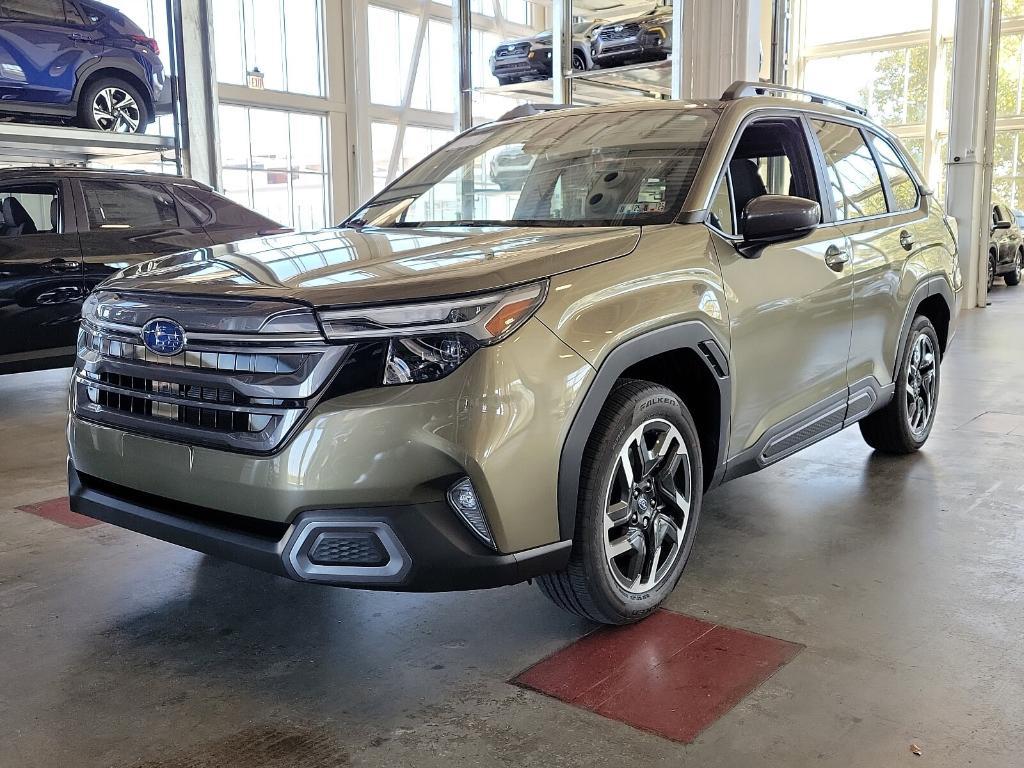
{"x":128,"y":205}
{"x":198,"y":210}
{"x":30,"y":209}
{"x":905,"y":196}
{"x":853,"y":176}
{"x":45,"y":11}
{"x":72,"y":15}
{"x":228,"y":213}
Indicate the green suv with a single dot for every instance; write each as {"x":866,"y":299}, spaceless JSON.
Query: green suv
{"x":466,"y":386}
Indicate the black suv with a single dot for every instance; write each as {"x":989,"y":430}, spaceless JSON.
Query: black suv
{"x":1006,"y":246}
{"x":645,"y":38}
{"x":63,"y":231}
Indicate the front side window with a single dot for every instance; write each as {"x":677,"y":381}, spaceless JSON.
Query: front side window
{"x":568,"y":169}
{"x":857,"y":190}
{"x":905,"y":195}
{"x":42,"y":11}
{"x":29,"y":209}
{"x":771,"y":158}
{"x":128,"y":205}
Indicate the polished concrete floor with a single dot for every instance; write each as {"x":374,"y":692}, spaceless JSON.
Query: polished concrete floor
{"x":904,"y":579}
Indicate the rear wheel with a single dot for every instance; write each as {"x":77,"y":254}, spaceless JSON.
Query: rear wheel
{"x":114,"y":106}
{"x":1013,"y":277}
{"x":904,"y":425}
{"x":641,"y":489}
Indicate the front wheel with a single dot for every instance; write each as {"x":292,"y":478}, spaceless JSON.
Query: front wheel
{"x":1012,"y":278}
{"x":991,"y":272}
{"x":904,"y":425}
{"x":641,"y":489}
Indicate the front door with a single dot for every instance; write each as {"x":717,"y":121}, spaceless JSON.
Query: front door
{"x":42,"y":50}
{"x":791,"y":308}
{"x":41,"y":279}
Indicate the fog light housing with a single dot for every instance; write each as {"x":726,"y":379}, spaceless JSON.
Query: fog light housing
{"x":462,"y":498}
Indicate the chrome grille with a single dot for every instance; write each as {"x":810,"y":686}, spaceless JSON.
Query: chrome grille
{"x":518,"y":49}
{"x":233,"y":391}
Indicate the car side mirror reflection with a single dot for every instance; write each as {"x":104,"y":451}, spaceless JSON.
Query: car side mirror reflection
{"x":1002,"y":225}
{"x":775,"y":219}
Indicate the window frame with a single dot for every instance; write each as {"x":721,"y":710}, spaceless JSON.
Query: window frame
{"x":66,"y":224}
{"x":890,"y":196}
{"x":724,"y":176}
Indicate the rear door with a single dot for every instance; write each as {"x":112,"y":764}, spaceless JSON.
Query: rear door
{"x":41,"y":276}
{"x":791,"y":314}
{"x":879,"y":206}
{"x":125,"y":221}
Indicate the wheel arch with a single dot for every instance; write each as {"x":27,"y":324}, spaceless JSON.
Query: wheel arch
{"x":934,"y":299}
{"x":687,"y":359}
{"x":100,"y":69}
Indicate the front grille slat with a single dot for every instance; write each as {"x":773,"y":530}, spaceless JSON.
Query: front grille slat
{"x":241,"y":396}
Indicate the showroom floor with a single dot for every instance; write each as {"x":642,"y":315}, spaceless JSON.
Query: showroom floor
{"x":902,"y":579}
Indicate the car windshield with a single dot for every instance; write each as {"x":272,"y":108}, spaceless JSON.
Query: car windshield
{"x":570,"y":169}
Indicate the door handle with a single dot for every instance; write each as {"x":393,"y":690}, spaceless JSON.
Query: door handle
{"x":906,"y":240}
{"x":63,"y":265}
{"x":836,"y":258}
{"x":76,"y":36}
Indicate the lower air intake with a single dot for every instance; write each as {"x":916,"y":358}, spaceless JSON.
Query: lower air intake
{"x":356,"y":549}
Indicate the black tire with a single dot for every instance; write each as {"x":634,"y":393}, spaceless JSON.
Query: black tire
{"x":1012,"y":278}
{"x":579,"y":61}
{"x":135,"y":110}
{"x":991,"y":271}
{"x":587,"y":586}
{"x":889,"y":430}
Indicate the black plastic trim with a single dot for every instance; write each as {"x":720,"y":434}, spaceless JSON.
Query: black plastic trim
{"x":693,"y":335}
{"x":933,"y":286}
{"x":438,"y":553}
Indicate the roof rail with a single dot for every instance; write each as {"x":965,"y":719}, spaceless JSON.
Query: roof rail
{"x":741,"y":89}
{"x":529,"y":110}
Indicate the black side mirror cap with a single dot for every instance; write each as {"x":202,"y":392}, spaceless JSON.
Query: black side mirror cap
{"x":775,"y":219}
{"x":1002,"y":225}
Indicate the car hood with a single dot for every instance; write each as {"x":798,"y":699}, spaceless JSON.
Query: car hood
{"x":334,"y":267}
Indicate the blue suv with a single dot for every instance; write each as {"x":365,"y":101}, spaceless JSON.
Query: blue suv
{"x":81,"y":62}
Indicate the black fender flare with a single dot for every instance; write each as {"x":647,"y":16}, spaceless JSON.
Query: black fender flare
{"x":90,"y":68}
{"x":933,"y":286}
{"x":694,"y":335}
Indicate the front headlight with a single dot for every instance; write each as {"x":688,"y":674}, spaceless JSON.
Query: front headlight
{"x":428,"y":340}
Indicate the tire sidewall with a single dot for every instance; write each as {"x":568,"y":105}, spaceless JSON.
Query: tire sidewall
{"x":922,"y":325}
{"x":657,"y":403}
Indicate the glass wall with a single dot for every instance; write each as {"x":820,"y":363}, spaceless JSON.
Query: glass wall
{"x":1008,"y":159}
{"x":258,"y":34}
{"x":275,"y":163}
{"x":893,"y":58}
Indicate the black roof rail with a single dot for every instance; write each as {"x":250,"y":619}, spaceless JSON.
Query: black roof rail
{"x":529,"y":110}
{"x":741,"y":89}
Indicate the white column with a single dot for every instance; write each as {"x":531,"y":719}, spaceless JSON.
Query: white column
{"x":969,"y":194}
{"x":721,"y":44}
{"x":201,"y":155}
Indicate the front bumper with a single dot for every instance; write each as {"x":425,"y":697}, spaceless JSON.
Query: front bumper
{"x":605,"y":53}
{"x":424,"y":548}
{"x":537,"y":65}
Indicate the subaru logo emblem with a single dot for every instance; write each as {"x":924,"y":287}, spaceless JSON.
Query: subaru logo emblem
{"x":618,"y":28}
{"x":510,"y":48}
{"x":163,"y":337}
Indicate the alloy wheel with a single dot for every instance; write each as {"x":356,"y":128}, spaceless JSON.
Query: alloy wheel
{"x":991,"y":273}
{"x":922,"y":376}
{"x":648,"y":507}
{"x":1018,"y":267}
{"x":115,"y":110}
{"x":578,"y":63}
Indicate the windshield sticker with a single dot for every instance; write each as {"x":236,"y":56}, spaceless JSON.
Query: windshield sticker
{"x":639,"y":209}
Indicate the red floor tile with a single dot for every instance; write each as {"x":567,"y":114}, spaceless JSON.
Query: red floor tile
{"x":672,"y":674}
{"x":59,"y":511}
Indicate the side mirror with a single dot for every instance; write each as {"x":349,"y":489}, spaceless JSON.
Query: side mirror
{"x":774,"y":219}
{"x":1002,"y":225}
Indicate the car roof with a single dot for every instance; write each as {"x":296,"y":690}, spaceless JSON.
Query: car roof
{"x":48,"y":172}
